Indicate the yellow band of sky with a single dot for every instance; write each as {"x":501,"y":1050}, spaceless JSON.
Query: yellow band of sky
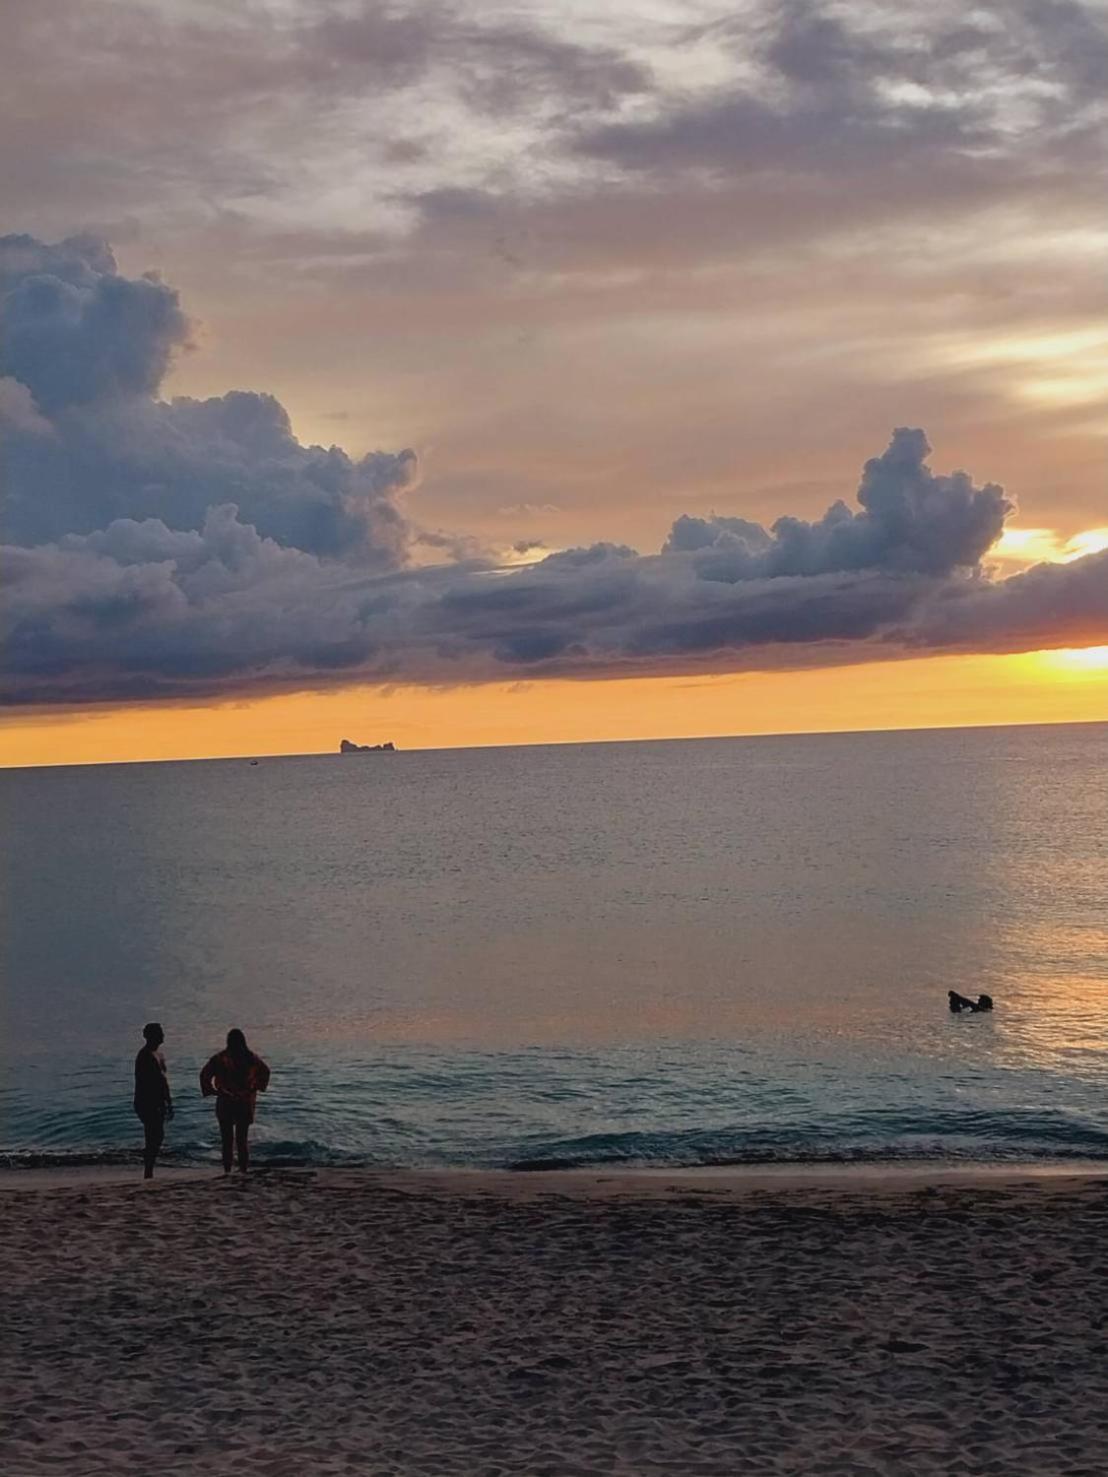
{"x":928,"y":692}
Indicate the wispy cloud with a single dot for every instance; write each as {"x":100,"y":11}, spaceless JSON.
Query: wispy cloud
{"x":623,"y":247}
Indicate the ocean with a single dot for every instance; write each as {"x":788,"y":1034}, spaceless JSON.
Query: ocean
{"x":729,"y":951}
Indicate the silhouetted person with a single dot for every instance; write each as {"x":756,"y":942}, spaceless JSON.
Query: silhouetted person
{"x":153,"y":1102}
{"x":959,"y":1003}
{"x":234,"y":1077}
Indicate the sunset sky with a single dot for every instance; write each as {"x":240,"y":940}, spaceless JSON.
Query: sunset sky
{"x":440,"y":373}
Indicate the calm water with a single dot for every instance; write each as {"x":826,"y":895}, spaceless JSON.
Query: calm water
{"x":725,"y":950}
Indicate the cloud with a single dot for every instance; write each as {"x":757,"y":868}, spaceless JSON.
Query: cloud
{"x":75,"y":331}
{"x":501,"y":68}
{"x":18,"y":412}
{"x":527,"y":510}
{"x":141,"y":608}
{"x":136,"y":109}
{"x":160,"y":549}
{"x":1047,"y":605}
{"x":849,"y":192}
{"x":866,"y":89}
{"x":911,"y":522}
{"x":87,"y":349}
{"x":329,"y":114}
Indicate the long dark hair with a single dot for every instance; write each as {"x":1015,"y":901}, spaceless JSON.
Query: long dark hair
{"x":237,"y":1048}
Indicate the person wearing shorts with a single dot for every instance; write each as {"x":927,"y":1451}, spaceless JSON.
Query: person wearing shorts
{"x":234,"y":1077}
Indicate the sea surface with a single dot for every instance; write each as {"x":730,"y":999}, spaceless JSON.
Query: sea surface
{"x":709,"y":952}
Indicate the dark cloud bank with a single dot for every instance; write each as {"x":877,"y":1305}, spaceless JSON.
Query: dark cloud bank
{"x":170,"y":548}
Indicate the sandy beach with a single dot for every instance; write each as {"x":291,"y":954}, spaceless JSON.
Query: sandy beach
{"x":564,"y":1324}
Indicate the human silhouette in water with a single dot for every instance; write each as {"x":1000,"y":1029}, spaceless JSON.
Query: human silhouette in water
{"x":958,"y":1003}
{"x":153,"y":1102}
{"x":234,"y":1077}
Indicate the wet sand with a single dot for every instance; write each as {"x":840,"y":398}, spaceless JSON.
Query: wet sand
{"x":703,"y":1323}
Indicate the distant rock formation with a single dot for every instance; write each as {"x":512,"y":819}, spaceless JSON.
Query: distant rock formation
{"x":346,"y":747}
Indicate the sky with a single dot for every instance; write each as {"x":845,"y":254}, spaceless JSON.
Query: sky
{"x":490,"y":373}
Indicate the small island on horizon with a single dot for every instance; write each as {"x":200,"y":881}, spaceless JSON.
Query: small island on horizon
{"x":347,"y":747}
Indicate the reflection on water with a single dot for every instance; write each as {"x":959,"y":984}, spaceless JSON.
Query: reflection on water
{"x":1064,"y":1032}
{"x":690,"y":950}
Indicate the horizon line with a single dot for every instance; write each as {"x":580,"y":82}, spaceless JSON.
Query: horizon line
{"x":700,"y":738}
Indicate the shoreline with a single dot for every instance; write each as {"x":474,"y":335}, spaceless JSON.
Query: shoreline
{"x":645,"y":1182}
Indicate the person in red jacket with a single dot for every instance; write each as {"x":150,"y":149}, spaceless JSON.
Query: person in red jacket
{"x":234,"y":1077}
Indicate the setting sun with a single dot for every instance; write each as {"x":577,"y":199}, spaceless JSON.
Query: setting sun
{"x":1078,"y":659}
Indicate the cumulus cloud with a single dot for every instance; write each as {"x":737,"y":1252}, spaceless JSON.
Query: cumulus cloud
{"x":75,"y":331}
{"x":87,"y":350}
{"x":18,"y":412}
{"x":193,"y":547}
{"x":911,"y":521}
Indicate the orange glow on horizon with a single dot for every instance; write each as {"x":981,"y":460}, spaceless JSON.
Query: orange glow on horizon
{"x":928,"y":692}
